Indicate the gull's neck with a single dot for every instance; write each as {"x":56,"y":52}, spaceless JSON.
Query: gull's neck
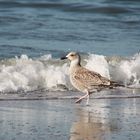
{"x":75,"y":63}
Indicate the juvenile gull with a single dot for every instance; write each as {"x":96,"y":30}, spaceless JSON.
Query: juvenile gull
{"x":85,"y":80}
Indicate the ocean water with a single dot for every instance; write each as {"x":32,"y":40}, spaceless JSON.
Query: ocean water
{"x":35,"y":34}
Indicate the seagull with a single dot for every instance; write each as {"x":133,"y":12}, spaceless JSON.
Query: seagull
{"x":85,"y":80}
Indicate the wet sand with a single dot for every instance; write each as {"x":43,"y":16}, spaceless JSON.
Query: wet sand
{"x":62,"y":119}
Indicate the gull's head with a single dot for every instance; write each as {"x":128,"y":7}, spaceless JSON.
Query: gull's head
{"x":73,"y":57}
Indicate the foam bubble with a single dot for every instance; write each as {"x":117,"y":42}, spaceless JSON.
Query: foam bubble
{"x":46,"y":57}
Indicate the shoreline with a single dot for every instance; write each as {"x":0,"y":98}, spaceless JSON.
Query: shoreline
{"x":62,"y":95}
{"x":55,"y":98}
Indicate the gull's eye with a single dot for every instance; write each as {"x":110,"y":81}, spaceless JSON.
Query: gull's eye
{"x":72,"y":55}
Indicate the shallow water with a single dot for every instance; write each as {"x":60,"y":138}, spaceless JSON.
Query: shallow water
{"x":108,"y":120}
{"x":34,"y":120}
{"x":63,"y":119}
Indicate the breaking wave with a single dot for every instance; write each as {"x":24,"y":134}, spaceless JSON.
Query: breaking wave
{"x":27,"y":74}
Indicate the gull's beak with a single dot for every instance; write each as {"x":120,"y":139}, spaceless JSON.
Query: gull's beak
{"x":62,"y":58}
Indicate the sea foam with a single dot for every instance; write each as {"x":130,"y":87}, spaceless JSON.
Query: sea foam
{"x":129,"y":71}
{"x":27,"y":74}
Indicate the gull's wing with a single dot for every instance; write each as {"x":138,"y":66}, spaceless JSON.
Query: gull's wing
{"x":90,"y":79}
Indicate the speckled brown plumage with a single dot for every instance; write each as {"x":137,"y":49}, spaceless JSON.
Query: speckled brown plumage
{"x":85,"y":80}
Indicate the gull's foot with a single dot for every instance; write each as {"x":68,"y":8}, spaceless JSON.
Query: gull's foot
{"x":78,"y":101}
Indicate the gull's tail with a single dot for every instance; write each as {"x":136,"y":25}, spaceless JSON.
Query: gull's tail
{"x":115,"y":84}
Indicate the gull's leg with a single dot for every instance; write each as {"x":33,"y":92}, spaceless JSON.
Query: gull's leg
{"x":86,"y":95}
{"x":87,"y":103}
{"x":80,"y":99}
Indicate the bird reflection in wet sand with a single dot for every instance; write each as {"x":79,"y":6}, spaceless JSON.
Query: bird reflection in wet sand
{"x":85,"y":80}
{"x":88,"y":127}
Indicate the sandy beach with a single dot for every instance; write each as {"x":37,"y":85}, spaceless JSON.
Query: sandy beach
{"x":61,"y":119}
